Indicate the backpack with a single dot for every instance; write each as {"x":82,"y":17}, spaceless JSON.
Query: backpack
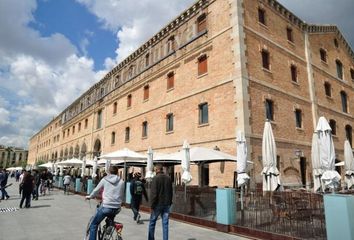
{"x":138,"y":188}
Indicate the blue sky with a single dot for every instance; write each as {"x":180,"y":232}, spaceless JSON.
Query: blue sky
{"x":51,"y":51}
{"x":80,"y":26}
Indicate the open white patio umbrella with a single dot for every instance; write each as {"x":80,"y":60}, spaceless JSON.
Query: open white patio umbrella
{"x":330,"y":178}
{"x":46,"y":165}
{"x":94,"y":168}
{"x":186,"y":175}
{"x":125,"y":156}
{"x":316,"y":163}
{"x":348,"y":164}
{"x":71,"y":162}
{"x":242,"y":176}
{"x":83,"y":167}
{"x":150,"y":166}
{"x":271,"y":176}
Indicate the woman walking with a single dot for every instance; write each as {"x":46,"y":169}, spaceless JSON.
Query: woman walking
{"x":27,"y":188}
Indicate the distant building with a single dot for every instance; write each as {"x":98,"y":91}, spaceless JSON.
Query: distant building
{"x":219,"y":67}
{"x":12,"y":156}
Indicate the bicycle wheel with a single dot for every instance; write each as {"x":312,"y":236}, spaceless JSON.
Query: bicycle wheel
{"x":87,"y":232}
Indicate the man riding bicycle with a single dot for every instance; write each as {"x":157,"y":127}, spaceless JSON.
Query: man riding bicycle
{"x":112,"y":197}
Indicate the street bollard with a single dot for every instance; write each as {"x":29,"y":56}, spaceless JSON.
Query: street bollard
{"x":89,"y":186}
{"x":60,"y":182}
{"x":78,"y":185}
{"x":339,"y":215}
{"x":225,"y":208}
{"x":128,"y":197}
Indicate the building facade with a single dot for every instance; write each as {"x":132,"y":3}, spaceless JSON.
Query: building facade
{"x":12,"y":156}
{"x":221,"y":66}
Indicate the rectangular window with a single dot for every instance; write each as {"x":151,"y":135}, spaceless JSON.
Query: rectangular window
{"x":265,"y":59}
{"x":261,"y":16}
{"x":144,"y":129}
{"x":269,"y":109}
{"x":170,"y":80}
{"x":201,"y":23}
{"x":86,"y":123}
{"x":146,"y":92}
{"x":298,"y":118}
{"x":202,"y":65}
{"x":323,"y":55}
{"x":129,"y":100}
{"x":99,"y":119}
{"x":293,"y":70}
{"x":289,"y":33}
{"x":169,"y":122}
{"x":352,"y":74}
{"x":73,"y":129}
{"x":203,"y":113}
{"x":344,"y":99}
{"x":79,"y":127}
{"x":127,"y":134}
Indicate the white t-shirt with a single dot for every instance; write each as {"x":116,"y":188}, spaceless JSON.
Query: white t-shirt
{"x":67,"y":179}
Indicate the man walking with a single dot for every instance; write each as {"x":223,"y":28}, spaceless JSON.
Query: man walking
{"x":137,"y":190}
{"x":161,"y":200}
{"x":3,"y":182}
{"x":112,"y":197}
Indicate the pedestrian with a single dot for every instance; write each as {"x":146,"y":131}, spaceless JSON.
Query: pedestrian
{"x":3,"y":182}
{"x":66,"y":181}
{"x":27,"y":188}
{"x":20,"y":186}
{"x":137,"y":190}
{"x":37,"y":182}
{"x":112,"y":197}
{"x":160,"y":201}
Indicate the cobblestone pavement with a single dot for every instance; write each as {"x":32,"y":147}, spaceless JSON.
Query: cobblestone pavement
{"x":64,"y":217}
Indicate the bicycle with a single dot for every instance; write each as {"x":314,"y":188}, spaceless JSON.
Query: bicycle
{"x":107,"y":229}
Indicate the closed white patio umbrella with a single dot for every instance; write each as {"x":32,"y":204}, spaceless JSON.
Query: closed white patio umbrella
{"x":83,"y":167}
{"x":186,"y":175}
{"x":330,"y":178}
{"x":316,"y":164}
{"x":271,"y":175}
{"x":94,"y":168}
{"x":242,"y":176}
{"x":348,"y":164}
{"x":150,"y":166}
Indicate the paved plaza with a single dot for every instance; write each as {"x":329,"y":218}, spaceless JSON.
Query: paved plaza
{"x":57,"y":217}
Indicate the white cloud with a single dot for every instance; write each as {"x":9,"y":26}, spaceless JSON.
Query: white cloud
{"x":39,"y":76}
{"x":134,"y":22}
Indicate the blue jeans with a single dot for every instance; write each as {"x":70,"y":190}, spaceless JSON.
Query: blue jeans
{"x":101,"y":213}
{"x":164,"y":211}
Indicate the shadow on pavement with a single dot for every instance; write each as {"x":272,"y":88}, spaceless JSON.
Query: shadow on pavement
{"x":40,"y":206}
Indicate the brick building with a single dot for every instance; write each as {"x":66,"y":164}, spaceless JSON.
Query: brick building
{"x":219,"y":67}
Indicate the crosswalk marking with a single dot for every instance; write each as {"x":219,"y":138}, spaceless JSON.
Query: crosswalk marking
{"x":8,"y":209}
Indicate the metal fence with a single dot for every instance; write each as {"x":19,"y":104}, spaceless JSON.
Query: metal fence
{"x":199,"y":202}
{"x":295,"y":213}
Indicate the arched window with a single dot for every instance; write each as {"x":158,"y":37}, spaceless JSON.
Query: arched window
{"x":348,"y":133}
{"x":343,"y":96}
{"x":144,"y":129}
{"x":265,"y":59}
{"x":147,"y":60}
{"x":127,"y":134}
{"x":171,"y":44}
{"x":113,"y":137}
{"x":201,"y":23}
{"x":202,"y":64}
{"x":339,"y":66}
{"x":115,"y":104}
{"x":332,"y":123}
{"x":129,"y":100}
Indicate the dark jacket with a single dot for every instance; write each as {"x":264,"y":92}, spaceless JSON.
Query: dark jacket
{"x":161,"y":191}
{"x":137,"y":197}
